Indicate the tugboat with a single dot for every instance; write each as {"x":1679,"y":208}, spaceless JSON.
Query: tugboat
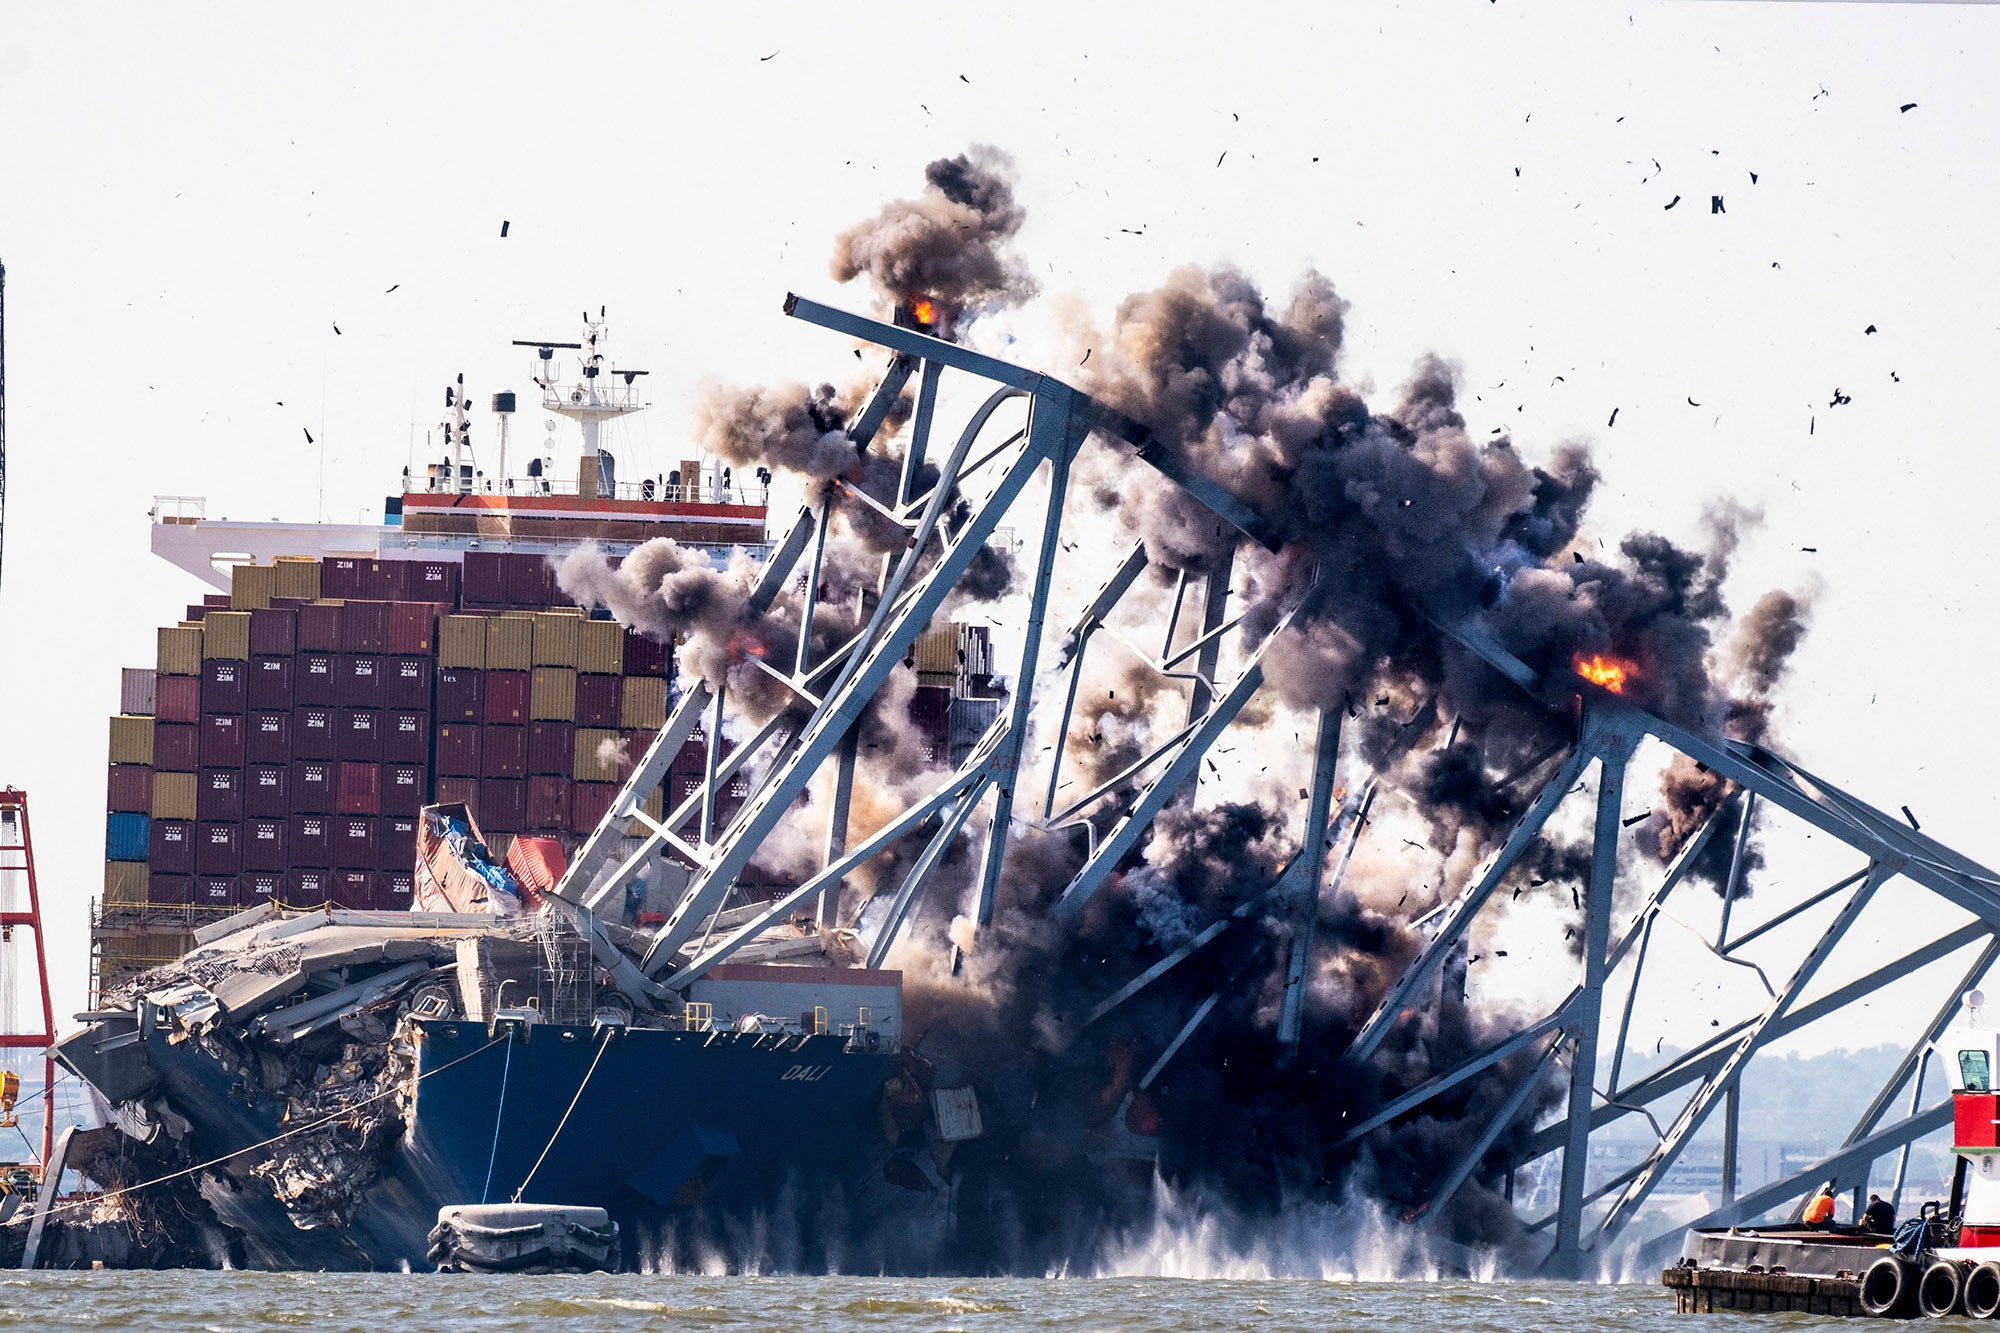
{"x":1944,"y":1262}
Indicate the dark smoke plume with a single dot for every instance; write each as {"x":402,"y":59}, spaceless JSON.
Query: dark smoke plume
{"x":1397,"y":518}
{"x":949,"y":243}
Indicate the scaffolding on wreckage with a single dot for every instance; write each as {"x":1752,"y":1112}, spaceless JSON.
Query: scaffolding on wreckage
{"x":1587,"y":1226}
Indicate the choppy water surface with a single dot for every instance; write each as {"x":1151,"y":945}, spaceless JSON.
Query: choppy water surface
{"x":427,"y":1303}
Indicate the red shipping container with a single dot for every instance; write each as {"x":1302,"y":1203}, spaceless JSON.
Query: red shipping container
{"x":360,"y":789}
{"x":177,"y":699}
{"x":258,"y":887}
{"x":634,"y":745}
{"x":345,"y":576}
{"x":215,"y":891}
{"x":313,"y":680}
{"x":169,"y":889}
{"x":432,"y":581}
{"x":460,"y":694}
{"x":531,"y":581}
{"x":405,"y":788}
{"x":551,"y":749}
{"x":319,"y":627}
{"x":170,"y":846}
{"x":267,"y":790}
{"x":225,"y":686}
{"x":196,"y":610}
{"x":309,"y":839}
{"x":406,"y":682}
{"x":406,"y":736}
{"x":360,"y":735}
{"x":218,"y":848}
{"x":364,"y":627}
{"x":387,"y":581}
{"x":485,"y":583}
{"x":221,"y":741}
{"x":308,"y":888}
{"x":456,"y":791}
{"x":274,"y":632}
{"x":355,"y":890}
{"x":395,"y":890}
{"x":589,"y":803}
{"x":598,"y":699}
{"x":270,"y":738}
{"x":214,"y":601}
{"x":129,"y":790}
{"x":356,"y":843}
{"x":176,"y":748}
{"x":503,"y":804}
{"x":413,"y":627}
{"x":536,"y":862}
{"x":314,"y":788}
{"x":548,"y":803}
{"x":271,"y":682}
{"x":506,"y":698}
{"x":503,"y":752}
{"x":399,"y":842}
{"x":264,"y":844}
{"x":644,"y":656}
{"x":692,"y":758}
{"x":457,"y":751}
{"x":357,"y":680}
{"x":218,"y":795}
{"x":313,"y":733}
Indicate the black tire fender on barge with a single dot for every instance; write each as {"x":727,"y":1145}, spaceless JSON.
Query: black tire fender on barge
{"x":1982,"y":1291}
{"x":1889,"y":1288}
{"x":1941,"y":1290}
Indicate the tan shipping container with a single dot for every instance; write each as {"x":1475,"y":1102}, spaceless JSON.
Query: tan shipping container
{"x":602,"y":650}
{"x":125,"y":883}
{"x":462,"y":642}
{"x":596,"y":755}
{"x":552,"y":695}
{"x":557,"y":639}
{"x":510,"y":643}
{"x":656,"y":806}
{"x":179,"y":652}
{"x":131,"y":740}
{"x":295,"y":576}
{"x":251,"y":587}
{"x":226,"y":636}
{"x":642,"y":703}
{"x":937,"y":649}
{"x":174,"y":795}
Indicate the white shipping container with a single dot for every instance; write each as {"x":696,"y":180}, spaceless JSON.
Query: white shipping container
{"x":957,"y":1111}
{"x":137,"y":691}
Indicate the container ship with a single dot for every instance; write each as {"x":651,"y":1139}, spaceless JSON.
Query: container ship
{"x":328,"y":983}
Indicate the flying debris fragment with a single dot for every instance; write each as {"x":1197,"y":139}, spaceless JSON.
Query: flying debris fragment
{"x":1614,"y":419}
{"x":1839,"y":398}
{"x":336,"y":330}
{"x":1908,"y":106}
{"x":1869,"y":329}
{"x":503,"y":227}
{"x":1715,"y":203}
{"x":392,"y":288}
{"x":1670,"y":203}
{"x":1912,"y":818}
{"x":309,"y":435}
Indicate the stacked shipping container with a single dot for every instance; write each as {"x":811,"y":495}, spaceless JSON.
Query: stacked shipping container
{"x":290,"y":731}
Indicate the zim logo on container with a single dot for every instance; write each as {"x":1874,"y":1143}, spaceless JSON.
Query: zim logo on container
{"x":805,"y":1073}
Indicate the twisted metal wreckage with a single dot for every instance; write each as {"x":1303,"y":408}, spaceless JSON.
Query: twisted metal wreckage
{"x":915,"y":587}
{"x":777,"y":761}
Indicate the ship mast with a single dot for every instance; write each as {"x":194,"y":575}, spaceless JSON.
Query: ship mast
{"x":601,"y":392}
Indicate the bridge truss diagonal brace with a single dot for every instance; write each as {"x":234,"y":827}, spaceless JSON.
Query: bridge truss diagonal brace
{"x":1711,"y":1091}
{"x":1125,"y":836}
{"x":1461,"y":912}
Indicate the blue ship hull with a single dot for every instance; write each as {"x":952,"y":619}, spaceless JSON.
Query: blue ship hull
{"x":669,"y":1126}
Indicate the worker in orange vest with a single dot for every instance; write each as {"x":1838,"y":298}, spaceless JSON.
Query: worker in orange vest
{"x":1819,"y":1211}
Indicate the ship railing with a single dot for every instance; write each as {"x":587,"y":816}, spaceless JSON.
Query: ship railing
{"x":698,"y":1016}
{"x":179,"y":509}
{"x":606,"y":393}
{"x":706,"y":491}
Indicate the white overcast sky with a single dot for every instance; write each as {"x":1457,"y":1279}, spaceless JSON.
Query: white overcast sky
{"x":192,"y":198}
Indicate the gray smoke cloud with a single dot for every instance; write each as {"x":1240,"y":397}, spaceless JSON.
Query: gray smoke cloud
{"x":949,"y":244}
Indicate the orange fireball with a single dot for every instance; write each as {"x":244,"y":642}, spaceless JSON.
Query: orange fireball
{"x":1608,"y":672}
{"x":924,"y":311}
